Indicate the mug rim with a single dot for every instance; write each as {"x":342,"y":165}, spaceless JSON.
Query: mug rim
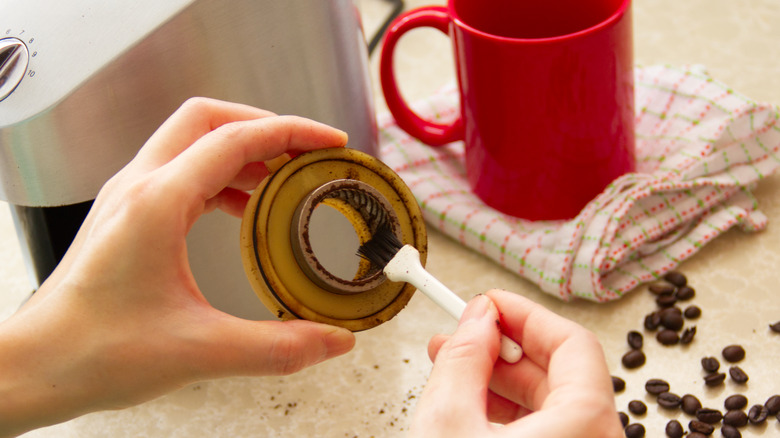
{"x":614,"y":17}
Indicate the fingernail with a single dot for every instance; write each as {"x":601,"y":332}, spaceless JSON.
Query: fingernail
{"x":338,"y":341}
{"x":477,"y":308}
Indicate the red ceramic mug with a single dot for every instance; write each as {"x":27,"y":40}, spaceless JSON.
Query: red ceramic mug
{"x":547,"y":98}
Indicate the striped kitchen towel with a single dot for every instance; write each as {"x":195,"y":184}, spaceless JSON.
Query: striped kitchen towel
{"x":701,"y":147}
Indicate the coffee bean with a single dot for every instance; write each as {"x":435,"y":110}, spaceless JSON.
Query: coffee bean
{"x":635,"y":430}
{"x":637,"y":407}
{"x":730,"y":432}
{"x":656,"y":386}
{"x":652,"y":321}
{"x":696,"y":435}
{"x":757,"y":414}
{"x":685,"y":293}
{"x":736,"y":401}
{"x":668,"y":337}
{"x":734,"y":353}
{"x":701,"y":427}
{"x":710,"y":364}
{"x":773,"y":404}
{"x":692,"y":312}
{"x":738,"y":375}
{"x":672,"y":319}
{"x":687,"y":335}
{"x":618,"y":384}
{"x":690,"y":404}
{"x":775,"y":327}
{"x":676,"y":278}
{"x":674,"y":429}
{"x":624,"y":419}
{"x":635,"y":340}
{"x":665,"y":300}
{"x":714,"y":379}
{"x":736,"y":418}
{"x":709,"y":415}
{"x":668,"y":400}
{"x":634,"y":359}
{"x":661,"y":288}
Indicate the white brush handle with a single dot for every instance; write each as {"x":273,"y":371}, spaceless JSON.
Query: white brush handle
{"x":406,"y":266}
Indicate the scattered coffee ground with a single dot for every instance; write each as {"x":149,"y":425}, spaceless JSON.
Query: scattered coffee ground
{"x":656,"y":386}
{"x":709,"y":415}
{"x":692,"y":312}
{"x":757,"y":414}
{"x":635,"y":340}
{"x":738,"y":375}
{"x":668,"y":337}
{"x":690,"y":404}
{"x":637,"y":407}
{"x":736,"y":401}
{"x":773,"y":404}
{"x":634,"y":359}
{"x":624,"y":419}
{"x":685,"y":293}
{"x":618,"y":384}
{"x":701,"y":427}
{"x":710,"y":364}
{"x":735,"y":418}
{"x":730,"y":432}
{"x":668,"y":400}
{"x":674,"y":429}
{"x":688,"y":335}
{"x":676,"y":278}
{"x":734,"y":353}
{"x":714,"y":379}
{"x":775,"y":327}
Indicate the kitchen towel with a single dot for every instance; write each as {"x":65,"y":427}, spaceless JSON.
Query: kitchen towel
{"x":701,"y":147}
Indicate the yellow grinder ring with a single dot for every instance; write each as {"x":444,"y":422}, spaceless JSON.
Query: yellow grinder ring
{"x":279,"y":264}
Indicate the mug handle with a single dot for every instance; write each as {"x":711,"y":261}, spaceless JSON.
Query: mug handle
{"x":433,"y":134}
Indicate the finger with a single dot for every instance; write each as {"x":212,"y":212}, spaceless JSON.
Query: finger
{"x":250,"y":176}
{"x":192,"y":120}
{"x":502,"y":410}
{"x":214,"y":161}
{"x":523,"y":383}
{"x":234,"y":346}
{"x":231,"y":201}
{"x":461,"y":372}
{"x":570,"y":356}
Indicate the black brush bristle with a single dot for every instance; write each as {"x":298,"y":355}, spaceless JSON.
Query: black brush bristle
{"x":381,"y":248}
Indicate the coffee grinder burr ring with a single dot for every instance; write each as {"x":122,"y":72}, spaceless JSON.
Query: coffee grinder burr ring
{"x":276,"y":243}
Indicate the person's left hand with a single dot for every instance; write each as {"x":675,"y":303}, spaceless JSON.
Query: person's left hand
{"x":121,"y":320}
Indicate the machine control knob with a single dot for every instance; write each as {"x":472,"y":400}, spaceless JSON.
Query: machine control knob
{"x":13,"y":64}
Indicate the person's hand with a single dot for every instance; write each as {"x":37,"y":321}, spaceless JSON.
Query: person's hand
{"x":121,"y":320}
{"x":560,"y":388}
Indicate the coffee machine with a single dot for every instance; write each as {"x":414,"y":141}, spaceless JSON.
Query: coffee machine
{"x":83,"y":84}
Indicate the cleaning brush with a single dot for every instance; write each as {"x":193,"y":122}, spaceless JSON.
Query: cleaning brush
{"x":402,"y":263}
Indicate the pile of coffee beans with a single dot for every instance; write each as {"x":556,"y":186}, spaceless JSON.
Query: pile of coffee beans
{"x":668,"y":321}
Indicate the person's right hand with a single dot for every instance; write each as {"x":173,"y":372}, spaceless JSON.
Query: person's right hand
{"x":560,"y":388}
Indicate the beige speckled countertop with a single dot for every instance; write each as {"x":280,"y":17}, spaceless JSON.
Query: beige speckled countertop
{"x":373,"y":390}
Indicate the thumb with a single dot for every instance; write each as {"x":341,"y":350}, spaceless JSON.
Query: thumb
{"x":259,"y":348}
{"x":458,"y":385}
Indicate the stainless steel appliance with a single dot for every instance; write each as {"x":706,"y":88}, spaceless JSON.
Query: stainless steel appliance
{"x":83,"y":84}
